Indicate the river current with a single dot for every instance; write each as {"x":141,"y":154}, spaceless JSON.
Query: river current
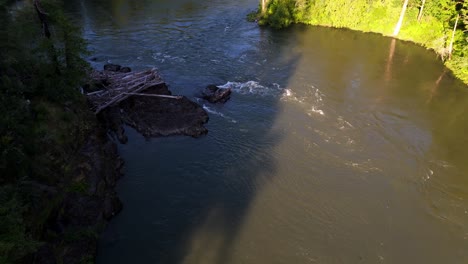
{"x":336,"y":146}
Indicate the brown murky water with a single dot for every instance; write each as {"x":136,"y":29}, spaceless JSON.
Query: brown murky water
{"x":336,"y":147}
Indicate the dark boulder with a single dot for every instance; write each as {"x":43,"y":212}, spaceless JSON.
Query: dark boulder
{"x":125,"y":69}
{"x":154,"y":116}
{"x":112,"y":67}
{"x":116,"y":68}
{"x":214,"y":94}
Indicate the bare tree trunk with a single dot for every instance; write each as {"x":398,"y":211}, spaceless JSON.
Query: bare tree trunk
{"x":45,"y":27}
{"x":43,"y":18}
{"x":450,"y":49}
{"x":67,"y":51}
{"x":400,"y":20}
{"x":423,"y":2}
{"x":264,"y":6}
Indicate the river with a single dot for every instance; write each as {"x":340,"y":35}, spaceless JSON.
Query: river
{"x":336,"y":146}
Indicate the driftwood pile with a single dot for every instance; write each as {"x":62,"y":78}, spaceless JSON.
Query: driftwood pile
{"x":118,"y":86}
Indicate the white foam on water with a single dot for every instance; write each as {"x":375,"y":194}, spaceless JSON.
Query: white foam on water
{"x":289,"y":95}
{"x":254,"y":88}
{"x":342,"y":124}
{"x":315,"y":110}
{"x":214,"y":112}
{"x":163,"y":57}
{"x":312,"y":97}
{"x":366,"y":166}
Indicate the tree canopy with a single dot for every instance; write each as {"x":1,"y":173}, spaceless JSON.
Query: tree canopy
{"x":41,"y":67}
{"x":441,"y":25}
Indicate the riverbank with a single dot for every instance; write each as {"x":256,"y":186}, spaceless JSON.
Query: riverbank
{"x":55,"y":212}
{"x":90,"y":199}
{"x":438,"y":27}
{"x":77,"y":210}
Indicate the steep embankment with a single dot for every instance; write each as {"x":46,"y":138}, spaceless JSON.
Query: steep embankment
{"x":77,"y":209}
{"x":53,"y":207}
{"x":55,"y":214}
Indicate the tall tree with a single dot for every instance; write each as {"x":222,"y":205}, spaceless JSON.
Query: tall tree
{"x":421,"y":9}
{"x":264,"y":6}
{"x":400,"y":20}
{"x":452,"y":39}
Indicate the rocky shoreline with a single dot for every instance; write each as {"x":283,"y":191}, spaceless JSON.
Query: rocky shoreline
{"x":79,"y":208}
{"x":81,"y":212}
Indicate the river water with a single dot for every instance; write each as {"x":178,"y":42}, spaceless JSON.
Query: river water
{"x":336,"y":146}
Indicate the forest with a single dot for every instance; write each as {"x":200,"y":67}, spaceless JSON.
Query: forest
{"x":440,"y":25}
{"x":43,"y":120}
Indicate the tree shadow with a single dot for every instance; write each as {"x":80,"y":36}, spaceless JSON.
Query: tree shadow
{"x":203,"y":188}
{"x":185,"y":200}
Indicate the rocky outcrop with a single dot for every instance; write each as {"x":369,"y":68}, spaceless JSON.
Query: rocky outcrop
{"x":214,"y":94}
{"x":77,"y":209}
{"x":84,"y":205}
{"x":155,"y":116}
{"x":75,"y":198}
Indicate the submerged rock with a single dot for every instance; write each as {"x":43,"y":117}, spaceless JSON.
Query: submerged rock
{"x":214,"y":94}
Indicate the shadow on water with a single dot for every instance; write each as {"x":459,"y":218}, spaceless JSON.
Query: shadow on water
{"x":194,"y":210}
{"x":186,"y":199}
{"x":195,"y":200}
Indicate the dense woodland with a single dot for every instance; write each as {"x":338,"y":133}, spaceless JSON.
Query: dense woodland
{"x":43,"y":118}
{"x":441,"y":25}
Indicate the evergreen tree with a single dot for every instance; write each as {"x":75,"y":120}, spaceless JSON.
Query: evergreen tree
{"x":40,"y":75}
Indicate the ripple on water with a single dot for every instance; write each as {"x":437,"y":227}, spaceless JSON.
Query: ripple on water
{"x":253,"y":88}
{"x":322,"y":188}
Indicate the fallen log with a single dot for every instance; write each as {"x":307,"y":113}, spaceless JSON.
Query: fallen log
{"x":122,"y":96}
{"x":157,"y":95}
{"x":119,"y":86}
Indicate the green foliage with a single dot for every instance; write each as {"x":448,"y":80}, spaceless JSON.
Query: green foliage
{"x":253,"y":16}
{"x":43,"y":118}
{"x":15,"y":242}
{"x":80,"y":187}
{"x":433,"y":31}
{"x":36,"y":73}
{"x":81,"y":234}
{"x":278,"y":14}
